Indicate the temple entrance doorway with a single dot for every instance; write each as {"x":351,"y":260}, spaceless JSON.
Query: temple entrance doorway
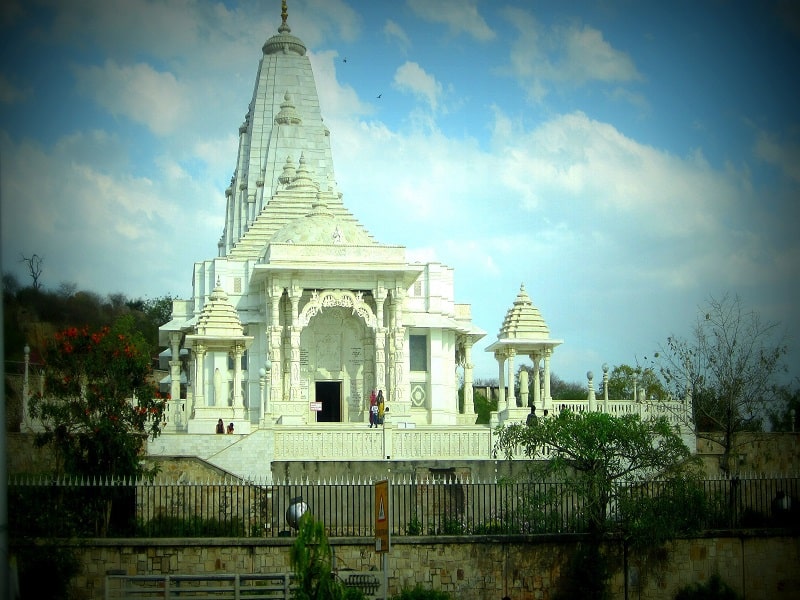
{"x":329,"y":393}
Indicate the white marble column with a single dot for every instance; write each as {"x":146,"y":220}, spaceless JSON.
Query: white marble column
{"x":469,"y":400}
{"x":501,"y":392}
{"x":238,"y":403}
{"x":380,"y":341}
{"x":537,"y":383}
{"x":294,"y":337}
{"x":512,"y":399}
{"x":400,"y":380}
{"x":200,"y":377}
{"x":274,"y":341}
{"x":548,"y":399}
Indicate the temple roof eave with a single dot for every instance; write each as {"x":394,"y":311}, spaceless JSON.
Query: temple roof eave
{"x":174,"y":326}
{"x":404,"y":274}
{"x":218,"y":340}
{"x":434,"y":321}
{"x":524,"y":345}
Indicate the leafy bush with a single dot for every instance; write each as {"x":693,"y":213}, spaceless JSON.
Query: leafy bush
{"x":585,"y":575}
{"x":715,"y":589}
{"x":414,"y":526}
{"x":420,"y":593}
{"x":451,"y":526}
{"x":163,"y":526}
{"x":45,"y":571}
{"x":311,"y":558}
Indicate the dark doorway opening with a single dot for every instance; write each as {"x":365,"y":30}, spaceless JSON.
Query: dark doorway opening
{"x":329,"y":393}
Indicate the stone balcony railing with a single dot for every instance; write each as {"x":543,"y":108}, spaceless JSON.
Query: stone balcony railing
{"x":341,"y":442}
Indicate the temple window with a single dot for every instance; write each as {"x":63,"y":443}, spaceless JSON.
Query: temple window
{"x":418,"y":352}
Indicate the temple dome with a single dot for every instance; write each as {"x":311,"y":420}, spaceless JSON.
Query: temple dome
{"x":523,"y":320}
{"x":219,"y":317}
{"x":322,"y":227}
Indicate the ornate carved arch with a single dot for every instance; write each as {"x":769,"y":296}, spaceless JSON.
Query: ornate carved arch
{"x":344,"y":298}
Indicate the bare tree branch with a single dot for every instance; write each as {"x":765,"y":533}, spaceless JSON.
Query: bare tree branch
{"x":34,"y":265}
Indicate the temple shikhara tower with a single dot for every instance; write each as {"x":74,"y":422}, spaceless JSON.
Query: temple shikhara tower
{"x":303,"y":313}
{"x":302,"y":316}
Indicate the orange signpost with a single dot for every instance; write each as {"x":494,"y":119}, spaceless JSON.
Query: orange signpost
{"x":382,"y":516}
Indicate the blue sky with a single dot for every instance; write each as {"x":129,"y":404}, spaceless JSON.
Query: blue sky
{"x":624,"y":160}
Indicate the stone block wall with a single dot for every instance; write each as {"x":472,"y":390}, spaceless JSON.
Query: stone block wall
{"x":484,"y":568}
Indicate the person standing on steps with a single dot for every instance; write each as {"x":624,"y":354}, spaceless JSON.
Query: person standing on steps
{"x":381,"y":408}
{"x":373,"y":410}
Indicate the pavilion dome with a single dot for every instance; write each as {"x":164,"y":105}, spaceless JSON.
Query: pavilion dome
{"x":523,"y":320}
{"x":219,"y":317}
{"x":322,"y":227}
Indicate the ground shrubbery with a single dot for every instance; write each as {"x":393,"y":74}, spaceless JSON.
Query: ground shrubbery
{"x":714,"y":589}
{"x":420,"y":593}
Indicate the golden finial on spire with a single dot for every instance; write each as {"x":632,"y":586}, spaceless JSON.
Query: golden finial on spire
{"x":284,"y":12}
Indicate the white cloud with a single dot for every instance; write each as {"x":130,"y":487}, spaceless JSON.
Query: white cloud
{"x":155,"y":99}
{"x":413,"y":78}
{"x":105,"y":225}
{"x":393,"y":31}
{"x":589,"y":57}
{"x":460,"y":16}
{"x":336,"y":100}
{"x":573,"y":56}
{"x":613,"y":238}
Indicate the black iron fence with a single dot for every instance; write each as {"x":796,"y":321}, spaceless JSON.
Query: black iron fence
{"x":46,"y":507}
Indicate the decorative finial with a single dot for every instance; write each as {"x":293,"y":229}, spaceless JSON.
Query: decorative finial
{"x":284,"y":12}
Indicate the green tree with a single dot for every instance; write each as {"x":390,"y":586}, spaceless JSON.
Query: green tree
{"x":311,"y":559}
{"x":608,"y":466}
{"x":99,"y":404}
{"x":158,"y":310}
{"x":559,"y":388}
{"x":730,"y":366}
{"x":623,"y":379}
{"x":785,"y":416}
{"x":567,"y":390}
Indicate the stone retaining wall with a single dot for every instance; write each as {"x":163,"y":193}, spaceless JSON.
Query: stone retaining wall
{"x":485,"y":568}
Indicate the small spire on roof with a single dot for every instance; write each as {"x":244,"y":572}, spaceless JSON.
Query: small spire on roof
{"x":284,"y":16}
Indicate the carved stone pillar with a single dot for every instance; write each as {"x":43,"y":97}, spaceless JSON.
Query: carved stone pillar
{"x":523,"y":388}
{"x":294,"y":380}
{"x":400,"y":379}
{"x":380,"y":340}
{"x":512,"y":400}
{"x":274,"y":343}
{"x":263,"y":377}
{"x":380,"y":359}
{"x":501,"y":391}
{"x":469,"y":401}
{"x":238,"y":404}
{"x":175,"y":365}
{"x":200,"y":376}
{"x":294,"y":338}
{"x":537,"y":381}
{"x":548,"y":399}
{"x":368,"y":375}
